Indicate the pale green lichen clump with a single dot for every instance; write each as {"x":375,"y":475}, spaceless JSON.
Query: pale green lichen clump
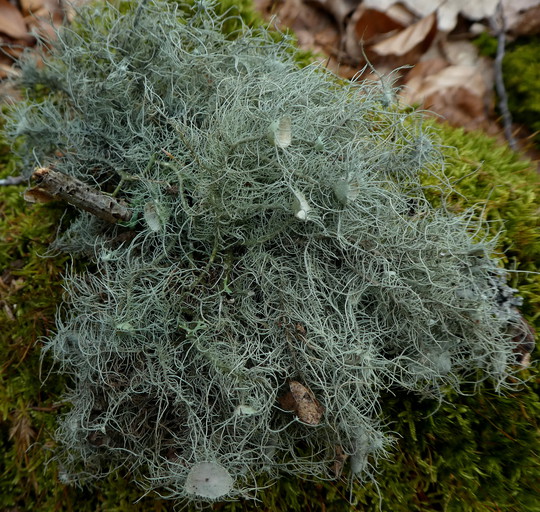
{"x":281,"y":234}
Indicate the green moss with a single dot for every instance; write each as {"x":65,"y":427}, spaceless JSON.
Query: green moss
{"x":29,"y":290}
{"x":521,"y":69}
{"x":486,"y":44}
{"x":521,"y":73}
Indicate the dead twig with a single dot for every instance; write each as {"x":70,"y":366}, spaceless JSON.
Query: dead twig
{"x":52,"y":408}
{"x":499,"y":27}
{"x":12,"y":180}
{"x":51,"y":185}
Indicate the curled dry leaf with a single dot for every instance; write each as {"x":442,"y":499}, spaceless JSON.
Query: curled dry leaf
{"x":5,"y":67}
{"x":471,"y":10}
{"x":367,"y":26}
{"x":314,"y":30}
{"x":339,"y":9}
{"x":381,"y":5}
{"x":458,"y":93}
{"x":401,"y":14}
{"x":37,"y":195}
{"x":48,"y":17}
{"x":30,"y":6}
{"x":522,"y":17}
{"x":409,"y":44}
{"x":11,"y":21}
{"x":447,"y":10}
{"x":417,"y":76}
{"x":303,"y":403}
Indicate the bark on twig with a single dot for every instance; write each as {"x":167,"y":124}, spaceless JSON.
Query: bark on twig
{"x":51,"y":185}
{"x":12,"y":180}
{"x":499,"y":26}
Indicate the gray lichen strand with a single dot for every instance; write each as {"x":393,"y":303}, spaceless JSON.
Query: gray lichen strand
{"x":264,"y":251}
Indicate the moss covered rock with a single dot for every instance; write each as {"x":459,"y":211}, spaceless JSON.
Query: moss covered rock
{"x":435,"y":467}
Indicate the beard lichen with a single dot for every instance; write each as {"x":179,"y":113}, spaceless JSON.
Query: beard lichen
{"x":282,"y":269}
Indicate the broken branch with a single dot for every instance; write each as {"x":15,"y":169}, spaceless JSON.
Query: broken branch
{"x":12,"y":180}
{"x":498,"y":24}
{"x":52,"y":185}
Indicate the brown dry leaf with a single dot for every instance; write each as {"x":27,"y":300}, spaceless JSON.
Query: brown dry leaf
{"x":314,"y":29}
{"x":460,"y":53}
{"x":522,"y":17}
{"x":339,"y":9}
{"x":45,"y":20}
{"x":370,"y":24}
{"x":21,"y":432}
{"x":308,"y":408}
{"x":9,"y":92}
{"x":40,"y":24}
{"x":11,"y":21}
{"x":15,"y":48}
{"x":30,"y":6}
{"x":421,"y":71}
{"x":419,"y":8}
{"x":469,"y":9}
{"x":302,"y":401}
{"x":458,"y":93}
{"x":401,"y":14}
{"x":70,"y":8}
{"x":265,"y":7}
{"x":56,"y":8}
{"x":528,"y":23}
{"x":6,"y":65}
{"x":367,"y":26}
{"x":339,"y":461}
{"x":37,"y":195}
{"x":5,"y":69}
{"x":448,"y":10}
{"x":410,"y":42}
{"x":307,"y":22}
{"x":287,"y":401}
